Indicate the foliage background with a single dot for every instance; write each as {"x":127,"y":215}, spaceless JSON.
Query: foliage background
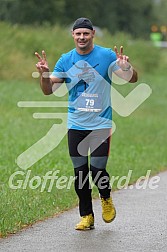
{"x":134,"y":17}
{"x":139,"y":142}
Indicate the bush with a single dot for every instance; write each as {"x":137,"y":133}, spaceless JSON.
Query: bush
{"x":18,"y":44}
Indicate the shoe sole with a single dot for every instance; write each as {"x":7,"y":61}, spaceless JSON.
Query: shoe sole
{"x":88,"y":228}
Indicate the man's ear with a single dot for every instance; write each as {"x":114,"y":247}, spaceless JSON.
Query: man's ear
{"x":72,"y":33}
{"x":93,"y":33}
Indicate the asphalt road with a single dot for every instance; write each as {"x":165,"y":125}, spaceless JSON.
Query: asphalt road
{"x":140,"y":225}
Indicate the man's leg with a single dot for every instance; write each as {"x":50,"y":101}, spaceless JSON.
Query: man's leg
{"x":100,"y":146}
{"x":81,"y":170}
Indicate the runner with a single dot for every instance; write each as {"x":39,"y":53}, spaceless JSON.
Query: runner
{"x":87,"y":71}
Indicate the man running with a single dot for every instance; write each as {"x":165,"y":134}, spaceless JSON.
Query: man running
{"x":87,"y":72}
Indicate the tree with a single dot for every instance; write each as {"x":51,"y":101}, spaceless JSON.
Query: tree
{"x":130,"y":16}
{"x":32,"y":11}
{"x":160,"y":10}
{"x":134,"y":17}
{"x":127,"y":16}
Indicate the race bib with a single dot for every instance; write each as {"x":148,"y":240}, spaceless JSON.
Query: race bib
{"x":89,"y":102}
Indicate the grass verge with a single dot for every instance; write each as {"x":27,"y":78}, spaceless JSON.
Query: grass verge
{"x":138,"y":145}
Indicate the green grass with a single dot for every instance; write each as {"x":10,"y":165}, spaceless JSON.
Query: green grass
{"x":139,"y":143}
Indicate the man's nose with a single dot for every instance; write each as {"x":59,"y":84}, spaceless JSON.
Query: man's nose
{"x":81,"y":36}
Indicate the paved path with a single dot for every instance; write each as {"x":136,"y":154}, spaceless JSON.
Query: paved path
{"x":141,"y":225}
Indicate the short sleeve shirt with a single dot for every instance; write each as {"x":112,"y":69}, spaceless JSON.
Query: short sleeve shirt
{"x":88,"y":82}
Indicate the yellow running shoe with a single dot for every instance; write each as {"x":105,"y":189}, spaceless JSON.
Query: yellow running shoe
{"x":86,"y":223}
{"x":108,"y":210}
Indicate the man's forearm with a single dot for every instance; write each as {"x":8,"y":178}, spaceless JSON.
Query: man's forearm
{"x":130,"y":75}
{"x":46,"y":85}
{"x":134,"y":77}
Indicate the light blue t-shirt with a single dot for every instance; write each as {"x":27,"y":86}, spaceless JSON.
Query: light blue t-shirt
{"x":89,"y":86}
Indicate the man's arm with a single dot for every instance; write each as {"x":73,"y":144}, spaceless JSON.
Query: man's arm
{"x":46,"y":81}
{"x":126,"y":71}
{"x":130,"y":75}
{"x":134,"y":77}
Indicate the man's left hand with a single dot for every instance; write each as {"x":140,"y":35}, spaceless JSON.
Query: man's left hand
{"x":122,"y":60}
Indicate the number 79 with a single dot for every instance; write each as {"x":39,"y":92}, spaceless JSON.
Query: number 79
{"x":90,"y":102}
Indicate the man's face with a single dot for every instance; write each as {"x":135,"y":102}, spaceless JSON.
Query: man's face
{"x":83,"y":38}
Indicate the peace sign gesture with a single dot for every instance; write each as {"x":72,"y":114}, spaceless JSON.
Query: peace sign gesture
{"x":122,"y":60}
{"x":42,"y":64}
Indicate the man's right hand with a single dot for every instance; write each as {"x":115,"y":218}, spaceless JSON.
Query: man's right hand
{"x":42,"y":64}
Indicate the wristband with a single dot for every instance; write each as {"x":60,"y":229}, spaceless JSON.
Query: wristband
{"x":127,"y":69}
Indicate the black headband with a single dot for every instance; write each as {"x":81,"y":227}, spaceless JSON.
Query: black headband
{"x":83,"y":23}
